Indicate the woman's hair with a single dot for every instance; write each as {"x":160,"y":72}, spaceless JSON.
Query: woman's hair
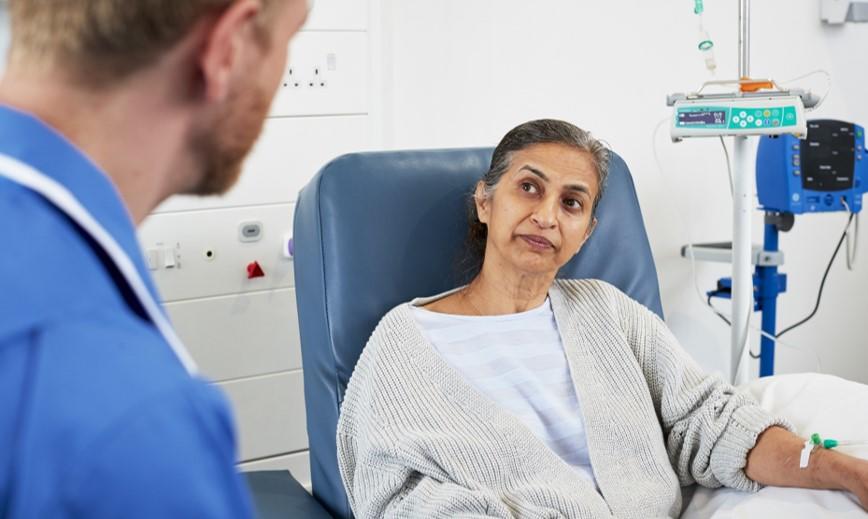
{"x":541,"y":131}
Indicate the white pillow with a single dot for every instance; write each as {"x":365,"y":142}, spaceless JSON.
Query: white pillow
{"x":831,"y":406}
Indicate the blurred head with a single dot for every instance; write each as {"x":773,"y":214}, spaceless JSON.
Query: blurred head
{"x":231,"y":56}
{"x":534,"y":208}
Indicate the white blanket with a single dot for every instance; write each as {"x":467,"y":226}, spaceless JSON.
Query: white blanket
{"x":831,"y":406}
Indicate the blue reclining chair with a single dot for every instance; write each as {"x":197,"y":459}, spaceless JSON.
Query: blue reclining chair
{"x":373,"y":230}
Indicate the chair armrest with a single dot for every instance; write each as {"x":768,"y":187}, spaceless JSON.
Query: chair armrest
{"x":277,"y":494}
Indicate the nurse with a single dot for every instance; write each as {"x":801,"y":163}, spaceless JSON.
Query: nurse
{"x":107,"y":108}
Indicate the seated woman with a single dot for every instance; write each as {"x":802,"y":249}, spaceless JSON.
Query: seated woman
{"x":522,"y":395}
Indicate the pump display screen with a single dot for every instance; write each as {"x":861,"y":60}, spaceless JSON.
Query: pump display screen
{"x":828,"y":156}
{"x":701,"y":118}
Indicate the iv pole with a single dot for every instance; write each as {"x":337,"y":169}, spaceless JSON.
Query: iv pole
{"x":742,"y":279}
{"x":740,"y":288}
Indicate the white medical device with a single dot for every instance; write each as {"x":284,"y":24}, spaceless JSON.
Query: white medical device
{"x":742,"y":114}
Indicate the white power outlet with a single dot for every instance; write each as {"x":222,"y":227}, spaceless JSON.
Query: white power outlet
{"x":310,"y":76}
{"x":327,"y":74}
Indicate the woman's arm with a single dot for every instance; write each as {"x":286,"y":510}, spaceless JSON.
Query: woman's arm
{"x":708,"y":426}
{"x":774,"y":460}
{"x":380,"y":483}
{"x":383,"y":476}
{"x":715,"y":415}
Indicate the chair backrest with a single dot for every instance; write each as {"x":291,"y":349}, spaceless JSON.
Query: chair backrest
{"x":373,"y":230}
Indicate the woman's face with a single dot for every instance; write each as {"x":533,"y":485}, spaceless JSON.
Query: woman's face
{"x":539,"y":215}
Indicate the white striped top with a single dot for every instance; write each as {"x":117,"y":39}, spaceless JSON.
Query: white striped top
{"x":517,"y":361}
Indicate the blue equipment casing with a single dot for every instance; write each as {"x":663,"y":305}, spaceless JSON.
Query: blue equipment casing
{"x":813,"y":175}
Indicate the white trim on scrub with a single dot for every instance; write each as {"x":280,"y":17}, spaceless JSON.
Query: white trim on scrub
{"x":57,"y":194}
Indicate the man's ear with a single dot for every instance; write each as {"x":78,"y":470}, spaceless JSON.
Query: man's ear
{"x":483,"y":204}
{"x":222,"y":49}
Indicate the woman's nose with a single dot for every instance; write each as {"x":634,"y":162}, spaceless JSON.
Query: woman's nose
{"x":545,"y":213}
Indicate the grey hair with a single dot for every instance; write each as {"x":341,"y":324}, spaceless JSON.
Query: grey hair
{"x":541,"y":131}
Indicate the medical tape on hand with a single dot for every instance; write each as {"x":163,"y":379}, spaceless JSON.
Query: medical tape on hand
{"x":806,"y":454}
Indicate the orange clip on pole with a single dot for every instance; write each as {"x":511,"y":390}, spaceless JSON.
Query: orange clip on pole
{"x":748,"y":85}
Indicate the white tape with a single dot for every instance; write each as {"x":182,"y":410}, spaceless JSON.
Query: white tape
{"x":806,"y":454}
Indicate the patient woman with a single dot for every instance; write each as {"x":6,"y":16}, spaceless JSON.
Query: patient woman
{"x":522,"y":395}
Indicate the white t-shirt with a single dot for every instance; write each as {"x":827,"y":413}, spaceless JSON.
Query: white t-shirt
{"x":518,"y":361}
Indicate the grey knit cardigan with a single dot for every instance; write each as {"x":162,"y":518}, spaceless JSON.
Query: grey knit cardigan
{"x":416,"y":440}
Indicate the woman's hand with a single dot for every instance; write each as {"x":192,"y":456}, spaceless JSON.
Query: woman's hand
{"x":774,"y":460}
{"x":858,"y":482}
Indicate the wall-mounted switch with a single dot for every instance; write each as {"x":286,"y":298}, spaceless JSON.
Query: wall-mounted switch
{"x":250,"y":231}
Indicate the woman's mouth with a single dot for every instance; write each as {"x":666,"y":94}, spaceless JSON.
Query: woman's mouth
{"x":537,"y":243}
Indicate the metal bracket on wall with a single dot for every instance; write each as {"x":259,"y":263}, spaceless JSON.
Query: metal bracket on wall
{"x":836,"y":12}
{"x":722,"y":253}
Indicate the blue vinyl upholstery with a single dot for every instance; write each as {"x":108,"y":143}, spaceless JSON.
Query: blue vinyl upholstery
{"x":277,"y":495}
{"x":373,"y":230}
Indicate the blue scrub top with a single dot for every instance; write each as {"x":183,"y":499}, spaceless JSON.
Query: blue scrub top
{"x":98,"y":418}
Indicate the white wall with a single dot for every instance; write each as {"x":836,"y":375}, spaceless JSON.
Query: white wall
{"x":463,"y":72}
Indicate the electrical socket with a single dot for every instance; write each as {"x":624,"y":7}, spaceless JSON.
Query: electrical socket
{"x":315,"y":82}
{"x":310,"y":76}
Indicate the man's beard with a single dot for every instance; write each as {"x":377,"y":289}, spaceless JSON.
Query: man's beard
{"x":221,"y":150}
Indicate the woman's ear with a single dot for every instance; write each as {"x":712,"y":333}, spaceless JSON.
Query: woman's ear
{"x":591,"y":227}
{"x":588,"y":233}
{"x":483,"y":204}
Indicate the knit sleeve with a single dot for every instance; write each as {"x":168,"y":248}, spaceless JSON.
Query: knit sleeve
{"x":384,"y":473}
{"x":380,"y":483}
{"x":709,"y":426}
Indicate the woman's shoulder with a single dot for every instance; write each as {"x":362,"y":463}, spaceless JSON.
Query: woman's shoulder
{"x":449,"y":304}
{"x":601,"y":294}
{"x":382,"y":355}
{"x":586,"y":289}
{"x":393,"y":326}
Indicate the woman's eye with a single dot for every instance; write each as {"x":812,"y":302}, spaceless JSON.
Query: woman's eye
{"x":527,"y":187}
{"x":572,"y":203}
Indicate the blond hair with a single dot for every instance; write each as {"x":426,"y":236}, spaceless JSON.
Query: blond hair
{"x":101,"y":40}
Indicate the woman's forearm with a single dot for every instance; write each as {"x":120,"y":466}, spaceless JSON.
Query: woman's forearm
{"x":774,"y":460}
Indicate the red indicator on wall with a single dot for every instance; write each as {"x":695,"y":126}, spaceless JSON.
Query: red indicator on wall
{"x":254,"y":270}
